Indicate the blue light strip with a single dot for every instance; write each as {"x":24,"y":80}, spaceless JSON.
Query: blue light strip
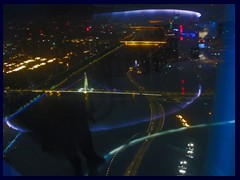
{"x":25,"y":107}
{"x":9,"y":118}
{"x":12,"y":143}
{"x":20,"y":110}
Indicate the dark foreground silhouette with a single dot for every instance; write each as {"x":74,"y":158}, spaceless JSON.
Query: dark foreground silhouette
{"x":64,"y":128}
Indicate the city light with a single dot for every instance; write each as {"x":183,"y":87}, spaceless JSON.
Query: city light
{"x":183,"y":121}
{"x":190,"y":150}
{"x":143,"y":43}
{"x":137,"y":62}
{"x":31,"y":64}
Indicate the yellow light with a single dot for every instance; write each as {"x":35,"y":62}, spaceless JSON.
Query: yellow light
{"x":184,"y":121}
{"x":186,"y":125}
{"x":43,"y":59}
{"x":19,"y":68}
{"x":51,"y":60}
{"x":141,"y":44}
{"x":28,"y":61}
{"x":178,"y":116}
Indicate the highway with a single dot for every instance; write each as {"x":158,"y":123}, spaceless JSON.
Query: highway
{"x":155,"y":125}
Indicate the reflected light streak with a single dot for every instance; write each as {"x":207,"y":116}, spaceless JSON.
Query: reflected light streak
{"x":132,"y":123}
{"x":104,"y":86}
{"x":72,"y":84}
{"x":9,"y":118}
{"x":168,"y":11}
{"x":12,"y":143}
{"x":171,"y":131}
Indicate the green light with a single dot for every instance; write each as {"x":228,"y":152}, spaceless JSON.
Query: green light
{"x":176,"y":17}
{"x":170,"y":27}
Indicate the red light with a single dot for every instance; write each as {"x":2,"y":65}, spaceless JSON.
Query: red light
{"x":88,"y":29}
{"x":183,"y":91}
{"x":182,"y":81}
{"x":181,"y":28}
{"x":181,"y":38}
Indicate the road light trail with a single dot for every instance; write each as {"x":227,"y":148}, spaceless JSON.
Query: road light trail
{"x":155,"y":125}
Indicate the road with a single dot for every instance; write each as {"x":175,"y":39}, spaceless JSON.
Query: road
{"x":155,"y":125}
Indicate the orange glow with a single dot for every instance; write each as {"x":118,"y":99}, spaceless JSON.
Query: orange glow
{"x":143,"y":43}
{"x":144,"y":27}
{"x":154,"y":21}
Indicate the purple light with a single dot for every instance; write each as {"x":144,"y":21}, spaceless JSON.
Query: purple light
{"x":169,"y":11}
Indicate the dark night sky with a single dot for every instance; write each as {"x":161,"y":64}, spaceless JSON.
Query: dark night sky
{"x":85,"y":11}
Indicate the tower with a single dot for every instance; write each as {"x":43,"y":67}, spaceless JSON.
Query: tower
{"x":85,"y":83}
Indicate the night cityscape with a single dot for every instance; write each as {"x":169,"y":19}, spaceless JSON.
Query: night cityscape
{"x":118,"y":90}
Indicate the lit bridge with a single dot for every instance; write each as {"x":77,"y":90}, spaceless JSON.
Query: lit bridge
{"x":163,"y":96}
